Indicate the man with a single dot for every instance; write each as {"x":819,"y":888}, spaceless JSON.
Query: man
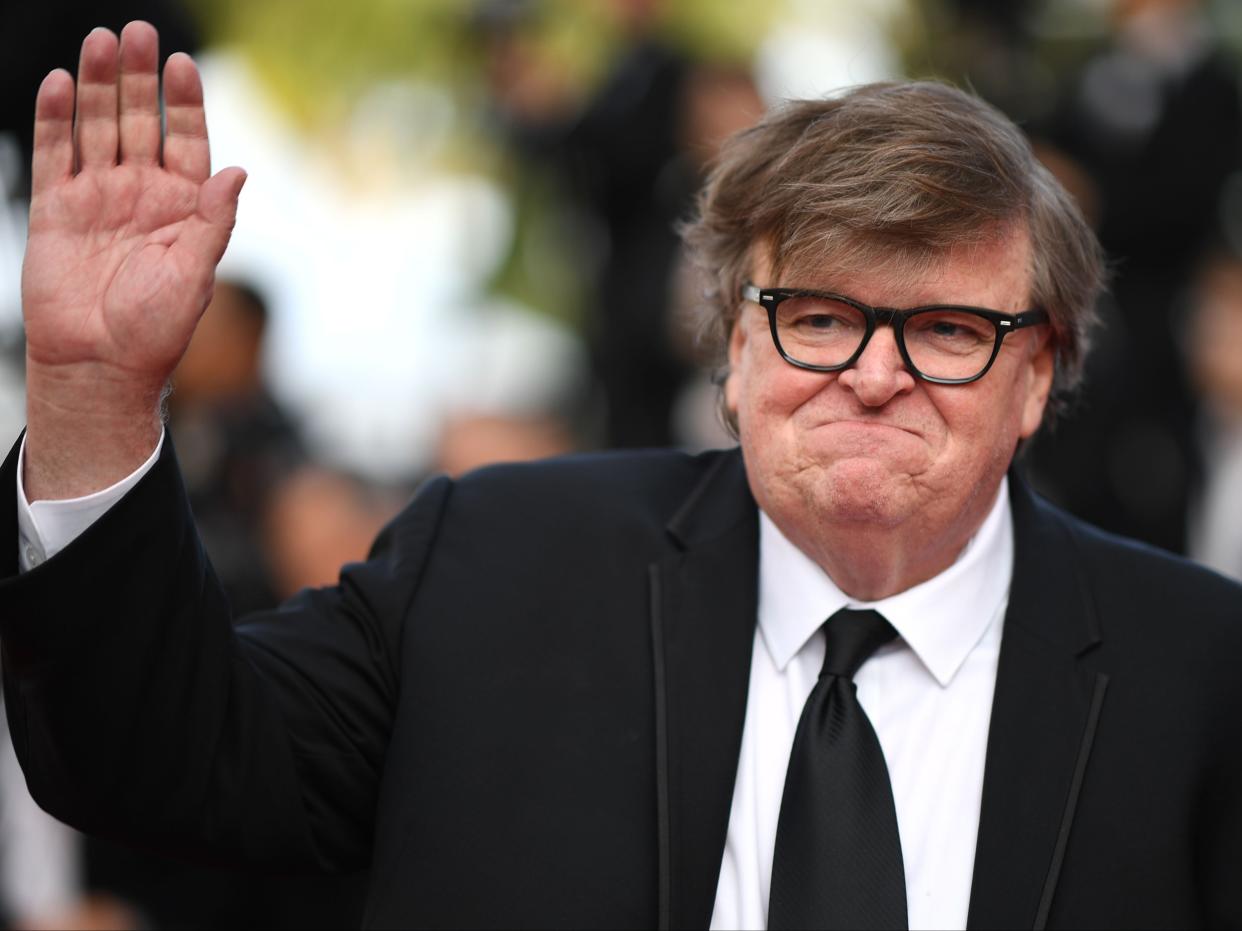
{"x":585,"y":692}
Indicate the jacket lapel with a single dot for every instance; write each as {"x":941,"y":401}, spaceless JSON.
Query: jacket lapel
{"x":1044,"y":714}
{"x":703,"y":609}
{"x":8,"y":512}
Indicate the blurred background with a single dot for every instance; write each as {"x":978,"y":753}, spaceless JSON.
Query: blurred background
{"x":457,"y":246}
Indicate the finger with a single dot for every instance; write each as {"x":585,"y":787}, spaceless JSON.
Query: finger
{"x":207,"y":234}
{"x":140,"y":94}
{"x":53,"y":132}
{"x":186,"y":151}
{"x":97,"y":96}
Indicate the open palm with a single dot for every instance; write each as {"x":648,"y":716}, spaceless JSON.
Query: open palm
{"x":125,"y":233}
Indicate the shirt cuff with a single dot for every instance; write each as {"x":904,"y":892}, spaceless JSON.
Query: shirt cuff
{"x":47,"y":527}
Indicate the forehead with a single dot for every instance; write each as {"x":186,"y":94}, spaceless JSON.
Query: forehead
{"x":995,"y":271}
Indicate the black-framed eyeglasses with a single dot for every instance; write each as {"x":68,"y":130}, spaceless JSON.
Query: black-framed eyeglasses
{"x":942,"y":343}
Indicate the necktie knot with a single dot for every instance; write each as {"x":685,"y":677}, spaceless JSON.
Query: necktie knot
{"x":852,"y":637}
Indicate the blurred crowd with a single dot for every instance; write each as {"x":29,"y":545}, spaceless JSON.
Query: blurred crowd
{"x":472,"y":256}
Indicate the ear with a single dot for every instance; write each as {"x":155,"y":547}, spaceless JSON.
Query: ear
{"x":737,"y":347}
{"x":1042,"y":366}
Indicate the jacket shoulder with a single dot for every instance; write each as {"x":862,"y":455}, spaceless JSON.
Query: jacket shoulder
{"x":1138,"y":589}
{"x":627,"y":487}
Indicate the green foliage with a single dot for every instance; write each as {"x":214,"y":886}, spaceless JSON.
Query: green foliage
{"x":317,"y":55}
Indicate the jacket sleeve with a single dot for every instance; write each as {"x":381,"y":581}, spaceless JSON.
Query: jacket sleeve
{"x":1218,"y":866}
{"x":139,"y":711}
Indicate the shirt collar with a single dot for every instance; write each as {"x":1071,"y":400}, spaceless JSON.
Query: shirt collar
{"x":941,"y":619}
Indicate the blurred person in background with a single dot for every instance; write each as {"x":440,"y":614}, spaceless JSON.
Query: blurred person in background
{"x":1213,"y":341}
{"x":236,"y":443}
{"x":318,"y":519}
{"x":523,"y":397}
{"x":992,"y":44}
{"x":720,"y":100}
{"x":1148,"y":133}
{"x":629,"y":159}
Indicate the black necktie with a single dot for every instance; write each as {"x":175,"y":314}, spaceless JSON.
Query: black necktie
{"x":838,"y":855}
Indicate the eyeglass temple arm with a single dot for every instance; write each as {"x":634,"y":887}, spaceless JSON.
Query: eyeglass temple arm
{"x":1029,"y":318}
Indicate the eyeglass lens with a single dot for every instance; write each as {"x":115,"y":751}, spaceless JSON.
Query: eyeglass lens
{"x":947,"y":344}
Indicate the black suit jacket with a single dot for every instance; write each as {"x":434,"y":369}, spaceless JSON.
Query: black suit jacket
{"x":526,"y":707}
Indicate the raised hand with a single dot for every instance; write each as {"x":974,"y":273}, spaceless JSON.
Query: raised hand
{"x":125,"y":235}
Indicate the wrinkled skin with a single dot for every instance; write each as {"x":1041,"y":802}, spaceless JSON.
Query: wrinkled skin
{"x":880,"y":477}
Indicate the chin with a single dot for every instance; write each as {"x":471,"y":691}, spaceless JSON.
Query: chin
{"x":859,"y":491}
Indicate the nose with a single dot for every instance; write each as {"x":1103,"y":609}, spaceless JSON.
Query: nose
{"x":880,"y":374}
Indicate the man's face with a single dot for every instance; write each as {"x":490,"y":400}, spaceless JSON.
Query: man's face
{"x":872,"y":447}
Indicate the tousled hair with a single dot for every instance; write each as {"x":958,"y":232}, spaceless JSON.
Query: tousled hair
{"x":896,"y":175}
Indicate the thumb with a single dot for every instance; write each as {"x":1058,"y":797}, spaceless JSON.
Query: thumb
{"x":208,"y":232}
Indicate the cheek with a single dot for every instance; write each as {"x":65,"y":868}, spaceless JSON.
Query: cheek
{"x":772,"y":399}
{"x":984,"y":428}
{"x":763,"y":385}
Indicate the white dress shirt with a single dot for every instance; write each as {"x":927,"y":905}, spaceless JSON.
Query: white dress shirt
{"x":929,"y":698}
{"x":47,"y":527}
{"x":928,"y":695}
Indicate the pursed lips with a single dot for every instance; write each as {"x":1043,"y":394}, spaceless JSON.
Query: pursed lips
{"x":869,"y":425}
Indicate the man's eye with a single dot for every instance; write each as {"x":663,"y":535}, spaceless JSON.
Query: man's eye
{"x":819,"y":322}
{"x":819,"y":319}
{"x":950,"y":328}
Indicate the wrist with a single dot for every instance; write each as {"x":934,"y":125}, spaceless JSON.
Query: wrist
{"x":86,"y":429}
